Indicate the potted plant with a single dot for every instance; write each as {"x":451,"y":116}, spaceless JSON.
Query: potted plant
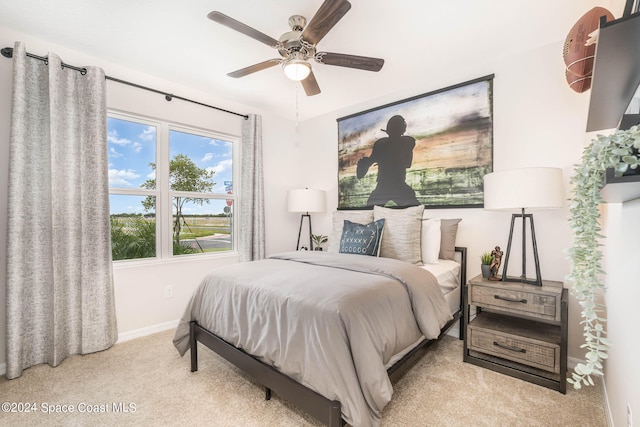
{"x":617,"y":151}
{"x":318,"y":240}
{"x":485,"y":262}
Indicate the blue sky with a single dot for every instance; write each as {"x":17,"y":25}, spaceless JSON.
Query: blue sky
{"x":132,"y":147}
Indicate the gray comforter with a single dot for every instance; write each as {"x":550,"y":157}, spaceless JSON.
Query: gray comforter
{"x":333,"y":322}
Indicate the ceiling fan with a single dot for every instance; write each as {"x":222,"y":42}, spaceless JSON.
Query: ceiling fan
{"x":298,"y":46}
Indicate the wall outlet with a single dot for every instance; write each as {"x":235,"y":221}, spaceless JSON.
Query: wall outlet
{"x":168,"y":291}
{"x":629,"y":416}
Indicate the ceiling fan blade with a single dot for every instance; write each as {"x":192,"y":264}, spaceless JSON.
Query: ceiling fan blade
{"x":350,"y":61}
{"x":325,"y":18}
{"x":253,"y":68}
{"x":310,"y":85}
{"x":227,"y":21}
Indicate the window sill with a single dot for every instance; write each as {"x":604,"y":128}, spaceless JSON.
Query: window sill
{"x":149,"y":262}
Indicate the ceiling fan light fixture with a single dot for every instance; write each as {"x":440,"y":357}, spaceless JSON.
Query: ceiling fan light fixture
{"x":299,"y":46}
{"x":296,"y":69}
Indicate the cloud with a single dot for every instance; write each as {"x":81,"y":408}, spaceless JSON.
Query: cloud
{"x":220,"y":143}
{"x":114,"y":154}
{"x":113,"y":138}
{"x":207,"y":157}
{"x":121,"y":177}
{"x":222,"y":166}
{"x":148,"y":134}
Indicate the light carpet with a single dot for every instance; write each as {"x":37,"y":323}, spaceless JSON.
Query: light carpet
{"x":144,"y":382}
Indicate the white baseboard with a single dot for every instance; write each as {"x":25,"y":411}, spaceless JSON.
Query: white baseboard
{"x":143,"y":332}
{"x":607,"y":407}
{"x":571,"y":364}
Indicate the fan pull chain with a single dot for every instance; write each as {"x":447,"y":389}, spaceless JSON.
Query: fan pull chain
{"x":297,"y":111}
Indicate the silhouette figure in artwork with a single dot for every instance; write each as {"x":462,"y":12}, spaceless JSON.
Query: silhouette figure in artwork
{"x":393,"y":154}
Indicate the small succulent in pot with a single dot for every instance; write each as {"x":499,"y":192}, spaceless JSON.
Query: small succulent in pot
{"x":486,"y":258}
{"x":485,"y":262}
{"x":318,"y":240}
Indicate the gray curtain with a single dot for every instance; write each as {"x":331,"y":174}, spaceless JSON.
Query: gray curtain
{"x":59,"y":278}
{"x":252,"y":191}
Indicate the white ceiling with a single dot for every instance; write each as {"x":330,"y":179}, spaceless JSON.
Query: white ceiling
{"x":174,"y":40}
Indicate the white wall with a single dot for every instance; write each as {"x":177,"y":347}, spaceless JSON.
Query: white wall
{"x":622,"y":372}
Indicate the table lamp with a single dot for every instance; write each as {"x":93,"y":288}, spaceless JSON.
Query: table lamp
{"x":520,"y":189}
{"x":306,"y":200}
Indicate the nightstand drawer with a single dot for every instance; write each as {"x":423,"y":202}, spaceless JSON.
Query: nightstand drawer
{"x":533,"y":344}
{"x":517,"y":301}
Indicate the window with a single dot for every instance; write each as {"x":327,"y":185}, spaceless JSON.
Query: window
{"x":171,"y":189}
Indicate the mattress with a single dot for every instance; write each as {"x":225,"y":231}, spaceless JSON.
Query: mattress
{"x":447,"y":273}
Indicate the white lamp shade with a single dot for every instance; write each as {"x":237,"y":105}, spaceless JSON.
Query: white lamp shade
{"x":530,"y":188}
{"x":306,"y":200}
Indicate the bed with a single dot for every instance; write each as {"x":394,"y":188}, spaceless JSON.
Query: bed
{"x":327,"y":331}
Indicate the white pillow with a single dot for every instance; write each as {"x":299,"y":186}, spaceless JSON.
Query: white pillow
{"x":430,"y":241}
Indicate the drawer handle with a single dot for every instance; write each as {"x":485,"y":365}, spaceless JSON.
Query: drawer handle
{"x":523,"y":301}
{"x":517,"y":350}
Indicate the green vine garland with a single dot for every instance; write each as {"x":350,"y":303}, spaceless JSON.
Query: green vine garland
{"x":617,"y":151}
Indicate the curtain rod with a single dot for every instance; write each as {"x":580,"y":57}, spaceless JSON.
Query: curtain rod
{"x":7,"y":52}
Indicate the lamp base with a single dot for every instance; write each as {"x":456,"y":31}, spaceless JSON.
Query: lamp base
{"x":300,"y":231}
{"x":523,"y":279}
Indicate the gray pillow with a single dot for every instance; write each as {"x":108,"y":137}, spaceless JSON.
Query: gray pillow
{"x":402,"y":231}
{"x":361,"y":239}
{"x":448,"y":232}
{"x":361,"y":217}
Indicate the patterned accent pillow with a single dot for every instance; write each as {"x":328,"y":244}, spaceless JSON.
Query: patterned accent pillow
{"x":361,"y":239}
{"x":361,"y":217}
{"x":403,"y":228}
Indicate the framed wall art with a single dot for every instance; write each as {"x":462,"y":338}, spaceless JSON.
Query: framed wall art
{"x":432,"y":149}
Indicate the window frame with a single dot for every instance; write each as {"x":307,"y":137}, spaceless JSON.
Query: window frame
{"x":164,"y":195}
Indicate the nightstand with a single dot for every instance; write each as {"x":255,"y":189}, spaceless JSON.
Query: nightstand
{"x":518,"y":330}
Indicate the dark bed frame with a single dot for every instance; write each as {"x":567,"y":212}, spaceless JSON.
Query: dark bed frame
{"x":325,"y":410}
